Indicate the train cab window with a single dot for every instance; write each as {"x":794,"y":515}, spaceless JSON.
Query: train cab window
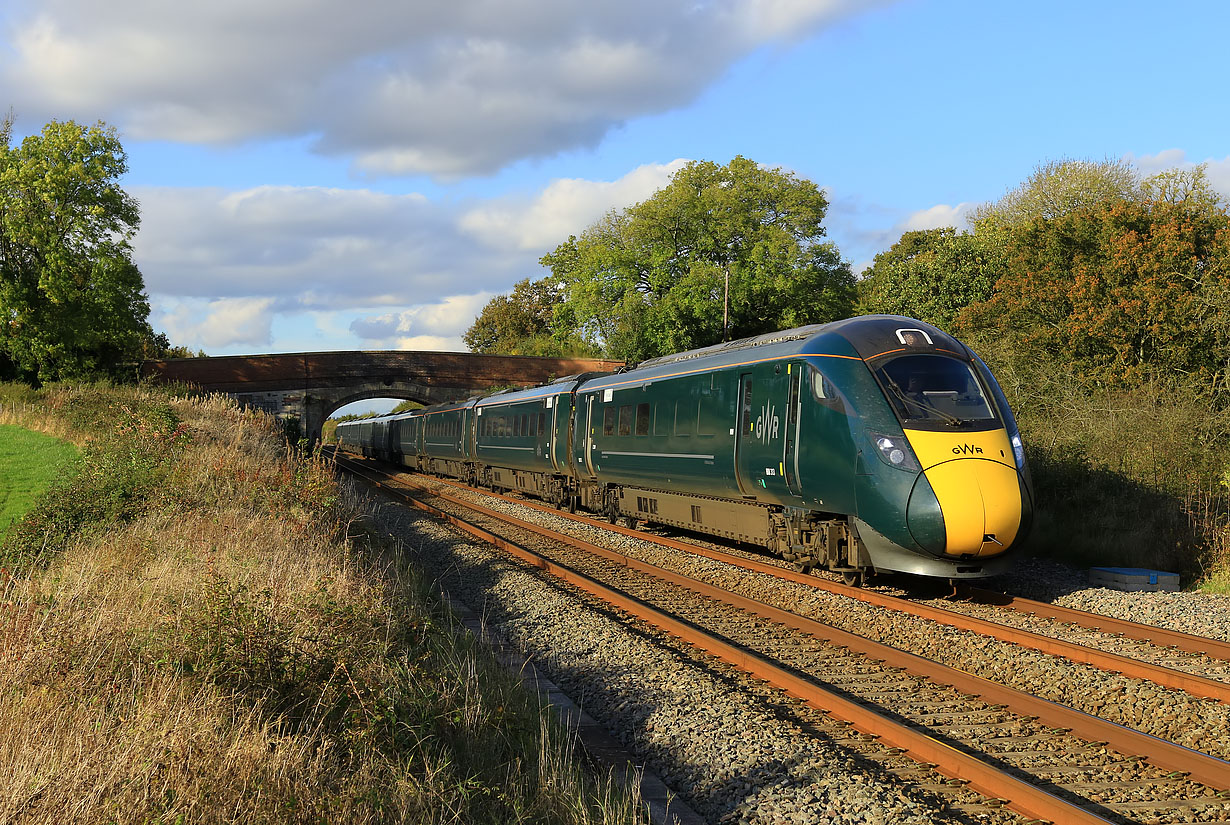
{"x":642,"y":419}
{"x":935,"y":390}
{"x":608,"y":421}
{"x":625,"y":419}
{"x":542,"y":423}
{"x":823,"y":391}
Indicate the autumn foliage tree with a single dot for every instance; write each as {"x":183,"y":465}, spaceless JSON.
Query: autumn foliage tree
{"x":1083,"y":265}
{"x":72,"y":301}
{"x":1121,"y":291}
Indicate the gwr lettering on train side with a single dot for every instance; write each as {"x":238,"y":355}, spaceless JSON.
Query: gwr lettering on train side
{"x":767,"y":423}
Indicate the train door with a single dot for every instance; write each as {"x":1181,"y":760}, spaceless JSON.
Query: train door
{"x":556,"y":449}
{"x":745,"y":426}
{"x":765,"y":436}
{"x":586,"y":440}
{"x":790,"y":451}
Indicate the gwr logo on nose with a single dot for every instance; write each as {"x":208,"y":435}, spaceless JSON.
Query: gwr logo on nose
{"x":966,"y":449}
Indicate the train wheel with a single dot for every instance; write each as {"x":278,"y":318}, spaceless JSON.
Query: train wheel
{"x":853,"y":578}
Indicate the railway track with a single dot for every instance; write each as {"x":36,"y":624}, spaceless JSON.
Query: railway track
{"x":1048,"y":761}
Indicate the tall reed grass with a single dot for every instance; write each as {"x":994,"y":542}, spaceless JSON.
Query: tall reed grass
{"x":201,"y":627}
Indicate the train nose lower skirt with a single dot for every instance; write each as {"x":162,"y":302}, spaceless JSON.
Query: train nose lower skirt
{"x":980,"y":502}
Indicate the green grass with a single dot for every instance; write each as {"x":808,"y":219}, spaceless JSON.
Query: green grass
{"x":29,"y":463}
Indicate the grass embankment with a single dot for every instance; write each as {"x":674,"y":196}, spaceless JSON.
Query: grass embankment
{"x":29,"y":462}
{"x":197,"y":629}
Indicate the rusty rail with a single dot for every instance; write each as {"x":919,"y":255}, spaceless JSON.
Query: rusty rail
{"x":1193,"y":684}
{"x":1141,"y":632}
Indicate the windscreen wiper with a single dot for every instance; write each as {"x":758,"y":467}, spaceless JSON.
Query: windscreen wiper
{"x":947,"y":418}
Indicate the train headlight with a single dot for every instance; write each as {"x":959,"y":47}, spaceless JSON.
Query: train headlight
{"x":894,"y":451}
{"x":1018,"y":451}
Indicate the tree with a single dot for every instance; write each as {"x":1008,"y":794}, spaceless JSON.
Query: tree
{"x":934,"y":274}
{"x":1122,"y":291}
{"x":523,"y":323}
{"x":72,"y":301}
{"x":1060,"y":187}
{"x":720,"y":252}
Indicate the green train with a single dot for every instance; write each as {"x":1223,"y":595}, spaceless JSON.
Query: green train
{"x":877,"y":443}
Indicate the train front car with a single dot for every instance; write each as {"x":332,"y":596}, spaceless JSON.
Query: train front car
{"x":941,"y":485}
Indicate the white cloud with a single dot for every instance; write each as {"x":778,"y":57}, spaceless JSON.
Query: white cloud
{"x":309,"y":247}
{"x":223,"y":265}
{"x":1218,"y":171}
{"x":215,"y":324}
{"x":565,"y":207}
{"x":442,"y":322}
{"x":448,"y":89}
{"x":935,"y":217}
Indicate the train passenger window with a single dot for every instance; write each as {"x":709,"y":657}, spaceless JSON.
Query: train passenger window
{"x":625,"y":419}
{"x":706,"y":423}
{"x":661,"y":419}
{"x":608,"y":421}
{"x":542,"y":423}
{"x":642,"y":419}
{"x":683,"y":418}
{"x":935,"y":389}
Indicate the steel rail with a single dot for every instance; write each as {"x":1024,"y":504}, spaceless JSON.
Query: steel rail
{"x":1193,"y":684}
{"x":1017,"y":795}
{"x":1161,"y":753}
{"x":1215,"y":648}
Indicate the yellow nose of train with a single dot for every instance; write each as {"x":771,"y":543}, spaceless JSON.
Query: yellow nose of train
{"x":976,"y":484}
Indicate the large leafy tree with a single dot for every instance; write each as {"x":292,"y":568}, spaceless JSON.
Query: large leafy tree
{"x":720,"y":252}
{"x":523,"y":323}
{"x":72,"y":301}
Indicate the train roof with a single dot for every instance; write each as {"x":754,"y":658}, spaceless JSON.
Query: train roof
{"x":557,"y":387}
{"x":864,"y":338}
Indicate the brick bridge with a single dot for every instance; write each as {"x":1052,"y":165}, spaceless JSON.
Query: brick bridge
{"x":310,"y":386}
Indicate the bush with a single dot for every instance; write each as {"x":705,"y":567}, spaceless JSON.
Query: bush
{"x":1123,"y":473}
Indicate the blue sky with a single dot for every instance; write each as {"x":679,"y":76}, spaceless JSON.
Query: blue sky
{"x":321,"y":176}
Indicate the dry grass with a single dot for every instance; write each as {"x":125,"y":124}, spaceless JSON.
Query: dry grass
{"x":236,"y":649}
